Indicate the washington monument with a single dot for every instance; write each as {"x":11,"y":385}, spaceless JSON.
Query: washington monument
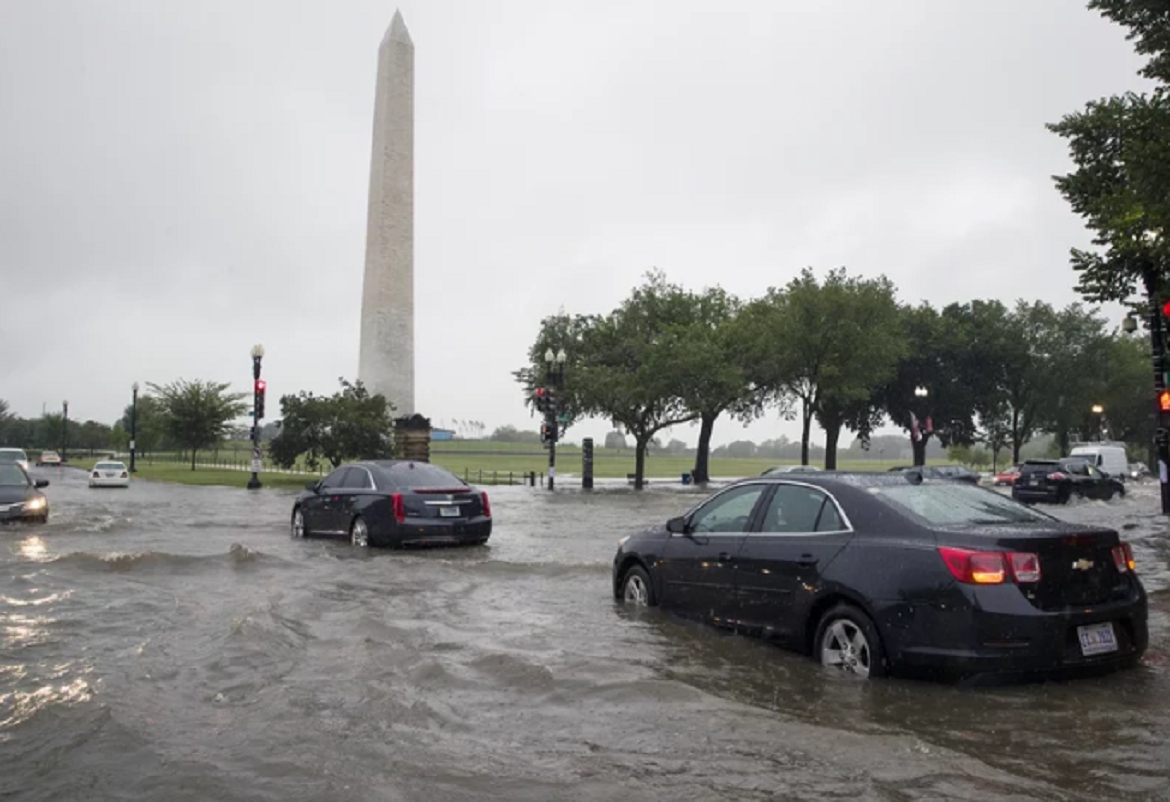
{"x":386,"y":360}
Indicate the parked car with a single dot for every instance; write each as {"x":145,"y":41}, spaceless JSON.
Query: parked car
{"x":21,"y":498}
{"x":946,"y":473}
{"x":1057,"y":480}
{"x":49,"y":458}
{"x":393,"y":503}
{"x":791,"y":469}
{"x":109,"y":474}
{"x":14,"y":455}
{"x":1138,"y":470}
{"x":1007,"y":476}
{"x":876,"y":573}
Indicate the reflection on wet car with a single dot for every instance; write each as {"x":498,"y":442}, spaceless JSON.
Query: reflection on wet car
{"x":887,"y":573}
{"x":393,"y":503}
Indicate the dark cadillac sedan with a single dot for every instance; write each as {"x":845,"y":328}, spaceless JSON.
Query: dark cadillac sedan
{"x":888,"y":573}
{"x":21,"y":498}
{"x":393,"y":503}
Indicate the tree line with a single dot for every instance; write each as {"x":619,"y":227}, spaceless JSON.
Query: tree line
{"x":843,"y":351}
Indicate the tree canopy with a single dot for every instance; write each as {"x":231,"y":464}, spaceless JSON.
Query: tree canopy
{"x":350,"y":424}
{"x":198,"y":414}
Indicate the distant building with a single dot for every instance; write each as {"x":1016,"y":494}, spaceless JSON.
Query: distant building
{"x":442,"y":434}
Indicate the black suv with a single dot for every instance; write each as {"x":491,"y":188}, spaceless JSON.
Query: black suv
{"x":1058,"y":480}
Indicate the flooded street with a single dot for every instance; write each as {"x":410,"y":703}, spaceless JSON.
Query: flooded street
{"x":171,"y":642}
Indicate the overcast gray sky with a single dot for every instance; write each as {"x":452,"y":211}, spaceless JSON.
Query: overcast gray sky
{"x":182,"y":180}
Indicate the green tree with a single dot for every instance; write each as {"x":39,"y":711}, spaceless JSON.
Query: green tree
{"x":350,"y":424}
{"x":148,"y":424}
{"x":1149,"y":27}
{"x":197,"y":414}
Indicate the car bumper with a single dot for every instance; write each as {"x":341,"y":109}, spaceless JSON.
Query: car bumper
{"x":103,"y":482}
{"x":436,"y":533}
{"x":992,"y":640}
{"x":1026,"y":494}
{"x":10,"y":513}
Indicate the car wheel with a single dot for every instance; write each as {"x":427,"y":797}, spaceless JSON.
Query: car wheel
{"x":1063,"y":495}
{"x":298,"y":523}
{"x":636,"y":588}
{"x":847,"y":640}
{"x":359,"y":533}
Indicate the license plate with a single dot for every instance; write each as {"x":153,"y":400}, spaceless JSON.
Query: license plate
{"x":1097,"y":639}
{"x":109,"y":475}
{"x":448,"y":512}
{"x":1033,"y":480}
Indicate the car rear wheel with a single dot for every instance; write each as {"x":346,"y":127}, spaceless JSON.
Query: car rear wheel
{"x":636,"y":588}
{"x":848,"y":641}
{"x":298,"y":523}
{"x":359,"y":533}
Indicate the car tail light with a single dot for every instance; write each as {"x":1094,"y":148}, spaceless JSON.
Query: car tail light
{"x":399,"y":507}
{"x":1056,"y":477}
{"x":1123,"y":558}
{"x":97,"y":475}
{"x":125,"y":475}
{"x":1025,"y":566}
{"x":487,"y":505}
{"x":975,"y":567}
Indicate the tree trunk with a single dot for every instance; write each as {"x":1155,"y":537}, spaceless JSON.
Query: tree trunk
{"x":640,"y":459}
{"x":805,"y":428}
{"x":832,"y":434}
{"x":919,"y":448}
{"x":700,"y":475}
{"x":192,"y":459}
{"x":1016,"y":436}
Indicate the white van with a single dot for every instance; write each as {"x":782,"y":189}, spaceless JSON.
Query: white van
{"x":1110,"y":459}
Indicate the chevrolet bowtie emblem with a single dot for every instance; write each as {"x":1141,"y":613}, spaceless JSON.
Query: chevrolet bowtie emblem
{"x":1082,"y":565}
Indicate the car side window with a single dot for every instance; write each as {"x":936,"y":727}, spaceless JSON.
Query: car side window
{"x":1079,"y":468}
{"x":797,"y":509}
{"x":335,"y":480}
{"x":1096,"y":474}
{"x":728,"y":512}
{"x":358,"y":479}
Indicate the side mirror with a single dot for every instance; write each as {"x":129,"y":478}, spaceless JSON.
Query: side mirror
{"x":312,"y":486}
{"x":677,"y":525}
{"x":42,"y":483}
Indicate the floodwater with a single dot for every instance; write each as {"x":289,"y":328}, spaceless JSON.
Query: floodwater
{"x":174,"y":643}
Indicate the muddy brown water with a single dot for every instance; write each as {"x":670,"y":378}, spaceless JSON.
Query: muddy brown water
{"x":174,"y":643}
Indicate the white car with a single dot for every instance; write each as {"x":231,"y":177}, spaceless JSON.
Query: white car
{"x":49,"y":458}
{"x":109,"y":474}
{"x":16,"y":455}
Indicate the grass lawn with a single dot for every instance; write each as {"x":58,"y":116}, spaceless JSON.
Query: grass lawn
{"x":182,"y":474}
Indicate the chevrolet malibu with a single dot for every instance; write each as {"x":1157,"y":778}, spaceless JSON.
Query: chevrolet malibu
{"x":393,"y":503}
{"x":889,"y":573}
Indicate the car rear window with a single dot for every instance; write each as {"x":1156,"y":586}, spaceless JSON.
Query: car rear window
{"x":1039,"y":467}
{"x":957,"y":505}
{"x":422,"y":474}
{"x":109,"y":466}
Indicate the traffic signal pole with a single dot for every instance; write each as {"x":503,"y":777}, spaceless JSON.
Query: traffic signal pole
{"x":1162,"y":435}
{"x":258,"y":389}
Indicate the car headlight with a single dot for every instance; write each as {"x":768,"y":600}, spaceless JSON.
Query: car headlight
{"x":37,"y":503}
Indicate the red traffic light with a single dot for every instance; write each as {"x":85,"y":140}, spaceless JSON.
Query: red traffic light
{"x":1166,"y":309}
{"x":541,"y":392}
{"x":261,"y":385}
{"x":1164,"y":401}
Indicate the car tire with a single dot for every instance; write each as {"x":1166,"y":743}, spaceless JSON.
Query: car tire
{"x":297,"y":525}
{"x":637,"y":589}
{"x":847,"y":640}
{"x":359,"y":533}
{"x":1063,"y":495}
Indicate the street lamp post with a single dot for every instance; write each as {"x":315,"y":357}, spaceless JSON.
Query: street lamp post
{"x":1099,"y":411}
{"x":919,"y":436}
{"x":64,"y":431}
{"x":556,"y":377}
{"x":257,"y":390}
{"x":133,"y":424}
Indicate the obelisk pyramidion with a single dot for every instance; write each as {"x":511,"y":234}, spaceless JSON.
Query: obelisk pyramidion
{"x":386,"y":359}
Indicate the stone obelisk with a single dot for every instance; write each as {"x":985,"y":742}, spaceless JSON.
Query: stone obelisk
{"x":386,"y":360}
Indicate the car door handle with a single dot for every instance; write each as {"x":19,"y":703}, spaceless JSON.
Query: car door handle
{"x":724,"y":556}
{"x":807,"y":559}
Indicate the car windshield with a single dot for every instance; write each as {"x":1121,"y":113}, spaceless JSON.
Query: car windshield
{"x":11,"y":475}
{"x":422,"y":474}
{"x":958,"y":505}
{"x":12,"y":455}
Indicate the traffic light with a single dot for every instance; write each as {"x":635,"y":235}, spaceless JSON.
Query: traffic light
{"x":542,"y":399}
{"x":261,"y":386}
{"x":547,"y":434}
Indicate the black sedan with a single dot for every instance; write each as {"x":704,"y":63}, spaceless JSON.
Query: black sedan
{"x":1058,"y":480}
{"x":21,"y":498}
{"x":878,"y":573}
{"x":393,"y":503}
